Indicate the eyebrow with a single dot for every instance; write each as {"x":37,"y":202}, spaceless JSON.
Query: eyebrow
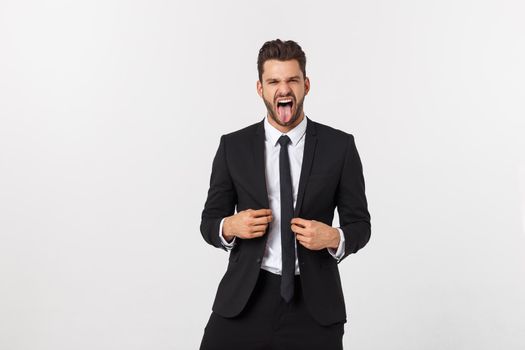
{"x":295,"y":77}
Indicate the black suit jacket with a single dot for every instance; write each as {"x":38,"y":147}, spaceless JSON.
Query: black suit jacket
{"x":331,"y":176}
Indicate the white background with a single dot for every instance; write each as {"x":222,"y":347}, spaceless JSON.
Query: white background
{"x":111,"y":113}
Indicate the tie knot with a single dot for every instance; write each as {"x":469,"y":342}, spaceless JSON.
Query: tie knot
{"x":283,"y":140}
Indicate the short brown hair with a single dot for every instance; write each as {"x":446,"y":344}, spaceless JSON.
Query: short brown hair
{"x":281,"y":51}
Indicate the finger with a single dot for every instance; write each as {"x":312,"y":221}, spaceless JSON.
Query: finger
{"x":304,"y":244}
{"x":296,"y":229}
{"x":256,"y":228}
{"x":262,"y":220}
{"x":304,"y":239}
{"x":261,"y":212}
{"x":300,"y":221}
{"x":256,"y":234}
{"x":299,"y":230}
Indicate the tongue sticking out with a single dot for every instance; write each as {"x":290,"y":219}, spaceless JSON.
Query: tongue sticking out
{"x":285,"y":112}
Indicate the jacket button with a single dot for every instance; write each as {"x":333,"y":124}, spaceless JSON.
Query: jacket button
{"x":259,"y":260}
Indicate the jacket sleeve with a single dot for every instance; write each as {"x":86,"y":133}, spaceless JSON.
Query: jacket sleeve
{"x":354,"y":218}
{"x":221,"y":199}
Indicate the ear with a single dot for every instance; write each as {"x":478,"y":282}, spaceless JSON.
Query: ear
{"x":306,"y":85}
{"x":259,"y":88}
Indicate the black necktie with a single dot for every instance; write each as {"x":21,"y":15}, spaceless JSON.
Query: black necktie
{"x":287,"y":235}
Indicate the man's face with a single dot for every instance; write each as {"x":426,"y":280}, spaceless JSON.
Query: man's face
{"x":283,"y":88}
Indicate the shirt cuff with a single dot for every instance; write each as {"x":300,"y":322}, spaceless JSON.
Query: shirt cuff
{"x":228,"y":245}
{"x":338,"y":254}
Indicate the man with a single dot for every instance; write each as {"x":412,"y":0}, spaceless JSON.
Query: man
{"x":285,"y":175}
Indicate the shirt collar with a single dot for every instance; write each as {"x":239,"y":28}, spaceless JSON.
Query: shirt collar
{"x":295,"y":135}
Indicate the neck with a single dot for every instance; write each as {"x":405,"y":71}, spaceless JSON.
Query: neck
{"x":285,"y":129}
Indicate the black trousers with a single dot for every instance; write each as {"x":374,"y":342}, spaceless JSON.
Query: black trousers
{"x":268,"y":322}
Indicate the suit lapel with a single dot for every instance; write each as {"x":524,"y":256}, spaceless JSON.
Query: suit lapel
{"x":310,"y":143}
{"x":261,"y":192}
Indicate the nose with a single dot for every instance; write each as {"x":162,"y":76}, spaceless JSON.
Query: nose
{"x":284,"y":89}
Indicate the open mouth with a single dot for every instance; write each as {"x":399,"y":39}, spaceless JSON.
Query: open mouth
{"x":284,"y":109}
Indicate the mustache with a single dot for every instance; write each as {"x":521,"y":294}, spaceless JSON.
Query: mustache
{"x":291,"y":95}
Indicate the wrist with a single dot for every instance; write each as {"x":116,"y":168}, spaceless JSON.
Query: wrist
{"x":336,"y":238}
{"x":226,"y":230}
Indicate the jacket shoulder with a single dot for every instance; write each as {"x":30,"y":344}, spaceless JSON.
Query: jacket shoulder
{"x":244,"y":133}
{"x":330,"y":133}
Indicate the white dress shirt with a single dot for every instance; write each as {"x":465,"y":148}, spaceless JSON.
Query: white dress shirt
{"x":272,"y":255}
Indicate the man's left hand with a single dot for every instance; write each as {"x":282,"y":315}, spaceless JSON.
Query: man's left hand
{"x":315,"y":235}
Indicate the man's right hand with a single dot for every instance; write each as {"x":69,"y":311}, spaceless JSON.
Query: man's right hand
{"x":247,"y":224}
